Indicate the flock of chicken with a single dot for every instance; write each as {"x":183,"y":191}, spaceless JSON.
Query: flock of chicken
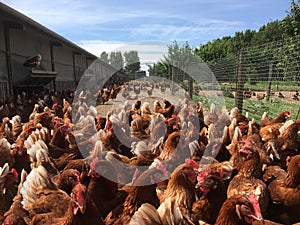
{"x":171,"y":163}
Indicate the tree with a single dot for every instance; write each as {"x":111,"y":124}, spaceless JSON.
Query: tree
{"x":132,"y":61}
{"x":116,"y":60}
{"x":159,"y":69}
{"x":104,"y":57}
{"x":291,"y":23}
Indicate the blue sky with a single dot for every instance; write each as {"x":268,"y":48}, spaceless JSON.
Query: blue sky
{"x":110,"y":25}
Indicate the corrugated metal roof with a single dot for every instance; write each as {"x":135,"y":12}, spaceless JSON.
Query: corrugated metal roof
{"x":11,"y":15}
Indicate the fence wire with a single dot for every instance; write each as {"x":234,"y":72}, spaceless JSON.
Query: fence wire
{"x":269,"y":69}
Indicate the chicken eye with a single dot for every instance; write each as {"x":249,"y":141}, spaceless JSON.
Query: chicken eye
{"x":246,"y":208}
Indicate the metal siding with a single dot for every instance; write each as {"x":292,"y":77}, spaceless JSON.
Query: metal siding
{"x":80,"y":66}
{"x":26,"y":44}
{"x":2,"y":39}
{"x":61,"y":85}
{"x":45,"y":52}
{"x":63,"y":63}
{"x":3,"y":65}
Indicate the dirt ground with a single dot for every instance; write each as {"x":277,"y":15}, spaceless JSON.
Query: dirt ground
{"x":287,"y":96}
{"x":143,"y":97}
{"x":157,"y":94}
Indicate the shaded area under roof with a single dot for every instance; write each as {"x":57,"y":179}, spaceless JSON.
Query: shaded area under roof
{"x":10,"y":15}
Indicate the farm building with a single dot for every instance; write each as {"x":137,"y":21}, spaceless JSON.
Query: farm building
{"x":21,"y":38}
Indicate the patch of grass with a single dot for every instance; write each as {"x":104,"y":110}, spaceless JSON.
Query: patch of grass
{"x":263,"y":86}
{"x":272,"y":107}
{"x":253,"y":107}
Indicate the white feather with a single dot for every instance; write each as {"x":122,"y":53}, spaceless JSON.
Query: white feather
{"x":4,"y":170}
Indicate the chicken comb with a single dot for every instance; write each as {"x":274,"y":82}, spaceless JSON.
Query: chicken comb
{"x":54,"y":105}
{"x":220,"y":172}
{"x":202,"y":175}
{"x":287,"y":114}
{"x":80,"y":196}
{"x":175,"y":117}
{"x":17,"y":146}
{"x":26,"y":131}
{"x":94,"y":162}
{"x":255,"y":203}
{"x":14,"y":173}
{"x":109,"y":123}
{"x":192,"y":163}
{"x":8,"y":221}
{"x":77,"y":175}
{"x":57,"y":123}
{"x":67,"y":125}
{"x":298,"y":121}
{"x":241,"y":127}
{"x":246,"y":144}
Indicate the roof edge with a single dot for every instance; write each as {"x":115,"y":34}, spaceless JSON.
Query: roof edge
{"x":31,"y":23}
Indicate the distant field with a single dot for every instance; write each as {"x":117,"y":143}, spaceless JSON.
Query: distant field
{"x":256,"y":108}
{"x":263,"y":86}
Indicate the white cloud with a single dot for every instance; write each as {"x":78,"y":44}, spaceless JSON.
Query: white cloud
{"x":97,"y":46}
{"x":203,"y":28}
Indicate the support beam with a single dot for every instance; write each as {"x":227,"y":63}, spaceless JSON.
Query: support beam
{"x":74,"y":66}
{"x":52,"y":63}
{"x":8,"y":59}
{"x":7,"y":26}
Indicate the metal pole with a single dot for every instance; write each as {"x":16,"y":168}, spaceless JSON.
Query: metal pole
{"x":172,"y":80}
{"x":269,"y":82}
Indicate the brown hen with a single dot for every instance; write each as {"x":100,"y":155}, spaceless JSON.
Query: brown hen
{"x":285,"y":193}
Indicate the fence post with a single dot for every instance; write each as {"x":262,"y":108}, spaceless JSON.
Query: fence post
{"x":191,"y":89}
{"x":240,"y":81}
{"x":269,"y":81}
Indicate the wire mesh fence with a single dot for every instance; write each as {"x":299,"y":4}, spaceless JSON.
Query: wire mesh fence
{"x":271,"y":70}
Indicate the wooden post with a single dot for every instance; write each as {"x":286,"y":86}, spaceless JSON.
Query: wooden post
{"x":298,"y":113}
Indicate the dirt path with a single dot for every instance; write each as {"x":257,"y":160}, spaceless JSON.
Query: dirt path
{"x":143,"y":97}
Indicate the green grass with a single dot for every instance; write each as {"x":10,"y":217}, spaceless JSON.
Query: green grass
{"x":253,"y":107}
{"x":272,"y":107}
{"x":263,"y":86}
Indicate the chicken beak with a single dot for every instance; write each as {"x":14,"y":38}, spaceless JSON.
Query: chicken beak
{"x":276,"y":154}
{"x":258,"y":216}
{"x":79,"y":207}
{"x":82,"y":209}
{"x":90,"y":173}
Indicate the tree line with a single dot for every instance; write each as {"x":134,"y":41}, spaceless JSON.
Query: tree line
{"x":273,"y":31}
{"x":128,"y":62}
